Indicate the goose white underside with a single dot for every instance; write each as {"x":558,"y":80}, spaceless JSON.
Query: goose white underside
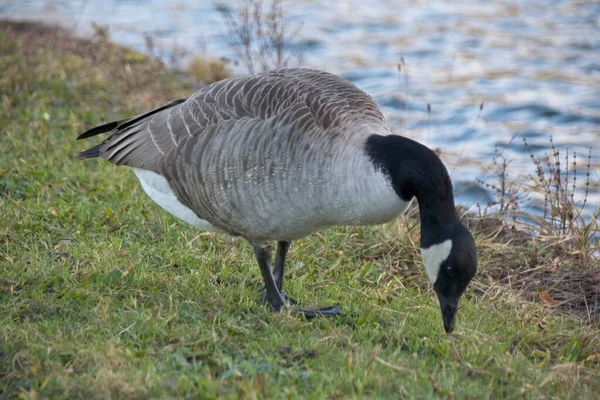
{"x":365,"y":201}
{"x":158,"y":189}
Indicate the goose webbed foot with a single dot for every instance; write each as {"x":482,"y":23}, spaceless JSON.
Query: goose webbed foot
{"x":330,"y":311}
{"x":273,"y":293}
{"x":276,"y":306}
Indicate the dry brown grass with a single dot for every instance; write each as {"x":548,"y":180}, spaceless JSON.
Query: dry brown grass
{"x":550,"y":254}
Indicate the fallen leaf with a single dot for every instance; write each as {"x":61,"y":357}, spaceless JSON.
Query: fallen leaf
{"x":593,"y":357}
{"x":546,"y":298}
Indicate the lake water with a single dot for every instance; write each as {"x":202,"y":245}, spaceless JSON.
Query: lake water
{"x":535,"y":65}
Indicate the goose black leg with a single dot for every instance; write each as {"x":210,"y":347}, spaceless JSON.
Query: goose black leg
{"x":272,"y":295}
{"x":282,"y":249}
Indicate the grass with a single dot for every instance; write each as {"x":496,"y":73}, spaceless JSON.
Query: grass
{"x":208,"y":71}
{"x":103,"y":295}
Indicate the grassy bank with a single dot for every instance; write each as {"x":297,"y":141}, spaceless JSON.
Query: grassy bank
{"x":104,"y":295}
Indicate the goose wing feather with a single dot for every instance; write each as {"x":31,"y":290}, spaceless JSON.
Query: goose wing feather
{"x":142,"y":141}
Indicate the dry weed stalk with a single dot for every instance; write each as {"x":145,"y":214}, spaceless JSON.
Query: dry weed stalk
{"x":562,"y":223}
{"x":510,"y":192}
{"x":559,"y":187}
{"x":172,"y":54}
{"x":260,"y":38}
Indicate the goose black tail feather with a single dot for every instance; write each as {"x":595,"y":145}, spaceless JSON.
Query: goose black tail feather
{"x":124,"y":123}
{"x":99,"y":129}
{"x":89,"y":153}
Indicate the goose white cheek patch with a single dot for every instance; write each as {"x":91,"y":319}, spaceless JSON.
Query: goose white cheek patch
{"x":434,"y":256}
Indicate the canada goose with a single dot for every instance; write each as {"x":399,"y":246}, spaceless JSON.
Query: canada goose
{"x":278,"y":155}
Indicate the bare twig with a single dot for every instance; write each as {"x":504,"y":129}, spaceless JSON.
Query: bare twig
{"x":260,"y":38}
{"x":563,"y":225}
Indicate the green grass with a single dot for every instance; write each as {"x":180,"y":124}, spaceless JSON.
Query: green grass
{"x":102,"y":294}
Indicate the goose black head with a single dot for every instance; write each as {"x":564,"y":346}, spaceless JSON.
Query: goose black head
{"x":447,"y":247}
{"x":451,"y":263}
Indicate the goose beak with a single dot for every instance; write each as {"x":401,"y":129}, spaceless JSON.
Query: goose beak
{"x":448,"y":305}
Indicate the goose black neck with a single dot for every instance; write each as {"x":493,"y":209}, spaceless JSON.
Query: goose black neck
{"x":416,"y":171}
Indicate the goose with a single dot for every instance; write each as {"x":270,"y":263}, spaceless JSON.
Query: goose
{"x":275,"y":156}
